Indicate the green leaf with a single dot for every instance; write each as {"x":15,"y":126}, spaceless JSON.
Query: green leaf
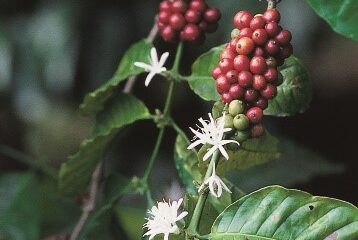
{"x":131,"y":220}
{"x":122,"y":110}
{"x":20,"y":212}
{"x":186,"y":162}
{"x":138,"y":52}
{"x":201,"y":81}
{"x":294,"y":94}
{"x":252,"y":152}
{"x":281,"y":214}
{"x":98,"y":224}
{"x":340,"y":15}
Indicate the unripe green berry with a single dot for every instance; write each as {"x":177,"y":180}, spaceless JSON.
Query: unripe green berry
{"x":236,"y":107}
{"x":279,"y":80}
{"x":235,"y":33}
{"x":218,"y":109}
{"x":241,"y":122}
{"x":242,"y":136}
{"x":228,"y":121}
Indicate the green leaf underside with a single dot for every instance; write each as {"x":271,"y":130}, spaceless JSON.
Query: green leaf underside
{"x":19,"y":202}
{"x":138,"y":52}
{"x":294,"y":94}
{"x":340,"y":15}
{"x":252,"y":152}
{"x":201,"y":81}
{"x":186,"y":164}
{"x":122,"y":110}
{"x":282,"y":214}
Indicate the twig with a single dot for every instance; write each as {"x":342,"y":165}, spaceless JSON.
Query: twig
{"x":97,"y":174}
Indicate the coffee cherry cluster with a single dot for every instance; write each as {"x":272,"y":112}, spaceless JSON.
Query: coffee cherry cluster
{"x":248,"y":67}
{"x":187,"y":20}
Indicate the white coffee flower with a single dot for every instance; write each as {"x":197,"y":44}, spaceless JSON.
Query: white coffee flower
{"x":212,"y":132}
{"x":215,"y":183}
{"x":163,"y":219}
{"x":155,"y":66}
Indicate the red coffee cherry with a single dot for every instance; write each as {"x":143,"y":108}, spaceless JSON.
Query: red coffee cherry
{"x":272,"y":29}
{"x":168,"y":34}
{"x":259,"y":51}
{"x":284,"y":37}
{"x":269,"y":91}
{"x":245,"y":32}
{"x":179,"y":6}
{"x":226,"y":97}
{"x":233,"y":43}
{"x":251,"y":95}
{"x":242,"y":19}
{"x":228,"y":53}
{"x":245,"y":46}
{"x":271,"y":75}
{"x":272,"y":15}
{"x":258,"y":82}
{"x":198,"y":5}
{"x":216,"y":72}
{"x":164,"y":16}
{"x":226,"y":65}
{"x":286,"y":51}
{"x":165,"y":6}
{"x":241,"y":63}
{"x":192,"y":16}
{"x":208,"y":27}
{"x":232,"y":75}
{"x":259,"y":36}
{"x":257,"y":130}
{"x":257,"y":22}
{"x":190,"y":32}
{"x":258,"y":65}
{"x":261,"y":103}
{"x":254,"y":115}
{"x":236,"y":92}
{"x":212,"y":15}
{"x":272,"y":47}
{"x":177,"y":21}
{"x":245,"y":79}
{"x":222,"y":84}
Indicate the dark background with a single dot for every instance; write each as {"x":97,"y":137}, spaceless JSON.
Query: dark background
{"x":54,"y":52}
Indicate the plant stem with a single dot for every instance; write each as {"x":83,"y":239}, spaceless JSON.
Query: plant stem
{"x":195,"y":219}
{"x":159,"y":140}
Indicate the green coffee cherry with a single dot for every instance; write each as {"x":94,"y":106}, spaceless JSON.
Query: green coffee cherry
{"x":228,"y":121}
{"x":241,"y":122}
{"x":242,"y":136}
{"x":235,"y":33}
{"x":279,"y":80}
{"x":217,"y":110}
{"x":236,"y":107}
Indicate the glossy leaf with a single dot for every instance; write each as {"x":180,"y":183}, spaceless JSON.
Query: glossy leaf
{"x":138,"y":52}
{"x":201,"y":81}
{"x":122,"y":110}
{"x":186,"y":163}
{"x":20,"y":212}
{"x":252,"y":152}
{"x":281,"y":214}
{"x":340,"y":15}
{"x":294,"y":94}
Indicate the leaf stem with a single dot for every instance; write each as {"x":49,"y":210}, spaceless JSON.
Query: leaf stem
{"x":195,"y":220}
{"x":159,"y":140}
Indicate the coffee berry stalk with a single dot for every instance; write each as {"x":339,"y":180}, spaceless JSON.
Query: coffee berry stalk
{"x":186,"y":20}
{"x":247,"y":75}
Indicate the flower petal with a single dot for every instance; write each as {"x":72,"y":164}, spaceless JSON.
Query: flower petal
{"x":154,"y":56}
{"x":223,"y":152}
{"x":143,"y":65}
{"x":163,"y":59}
{"x":149,"y":78}
{"x":210,"y":152}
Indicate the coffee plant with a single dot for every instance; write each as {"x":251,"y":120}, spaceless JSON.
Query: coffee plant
{"x":252,"y":75}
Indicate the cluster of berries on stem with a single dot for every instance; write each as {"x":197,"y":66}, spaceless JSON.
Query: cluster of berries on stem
{"x":248,"y":67}
{"x":187,"y":20}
